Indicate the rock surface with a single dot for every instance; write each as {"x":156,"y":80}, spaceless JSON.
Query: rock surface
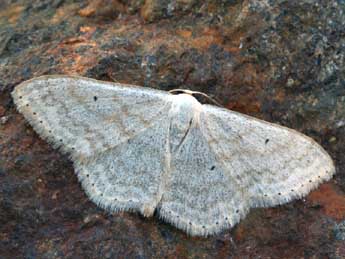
{"x":282,"y":61}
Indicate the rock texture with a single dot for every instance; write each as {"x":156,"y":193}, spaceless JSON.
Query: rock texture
{"x":282,"y":61}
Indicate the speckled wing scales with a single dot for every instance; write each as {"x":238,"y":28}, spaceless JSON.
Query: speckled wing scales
{"x":95,"y":122}
{"x":273,"y":163}
{"x":86,"y":116}
{"x":230,"y":162}
{"x":202,"y":196}
{"x":131,"y":175}
{"x":139,"y":149}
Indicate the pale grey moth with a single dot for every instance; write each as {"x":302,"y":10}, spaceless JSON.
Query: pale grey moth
{"x":200,"y":167}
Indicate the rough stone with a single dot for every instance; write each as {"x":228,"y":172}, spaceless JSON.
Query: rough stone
{"x":339,"y":231}
{"x":283,"y":61}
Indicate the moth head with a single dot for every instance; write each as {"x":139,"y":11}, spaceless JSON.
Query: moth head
{"x":195,"y":94}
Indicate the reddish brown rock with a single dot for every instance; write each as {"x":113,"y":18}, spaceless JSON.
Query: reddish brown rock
{"x":278,"y":60}
{"x":2,"y":111}
{"x":331,"y":199}
{"x":101,"y":8}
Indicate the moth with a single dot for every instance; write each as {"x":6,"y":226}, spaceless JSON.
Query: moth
{"x":200,"y":167}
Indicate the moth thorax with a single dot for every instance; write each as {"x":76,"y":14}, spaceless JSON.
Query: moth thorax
{"x":185,"y":110}
{"x":184,"y":116}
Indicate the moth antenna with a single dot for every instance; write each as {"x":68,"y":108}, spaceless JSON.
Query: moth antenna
{"x":186,"y":91}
